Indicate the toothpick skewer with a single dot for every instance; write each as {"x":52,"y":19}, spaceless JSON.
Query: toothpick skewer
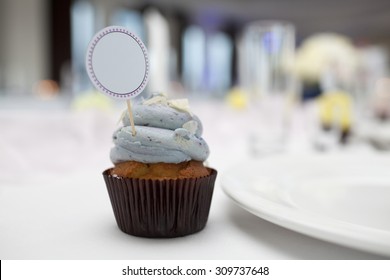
{"x":118,"y":41}
{"x":133,"y":132}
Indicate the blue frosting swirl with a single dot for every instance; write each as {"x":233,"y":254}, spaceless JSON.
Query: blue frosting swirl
{"x":163,"y":134}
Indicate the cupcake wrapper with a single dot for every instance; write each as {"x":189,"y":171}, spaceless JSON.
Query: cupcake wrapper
{"x":160,"y":208}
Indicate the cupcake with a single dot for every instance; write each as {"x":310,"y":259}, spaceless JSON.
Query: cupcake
{"x":159,"y":186}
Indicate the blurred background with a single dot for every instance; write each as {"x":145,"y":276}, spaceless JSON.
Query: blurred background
{"x":195,"y":46}
{"x":317,"y":68}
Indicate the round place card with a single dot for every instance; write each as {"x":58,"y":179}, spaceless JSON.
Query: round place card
{"x":117,"y":63}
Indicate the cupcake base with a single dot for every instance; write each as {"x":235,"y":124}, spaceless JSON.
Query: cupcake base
{"x":160,"y":208}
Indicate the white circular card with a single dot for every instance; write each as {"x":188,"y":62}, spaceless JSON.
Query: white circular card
{"x":117,"y":63}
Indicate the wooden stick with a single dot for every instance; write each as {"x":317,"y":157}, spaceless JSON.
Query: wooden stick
{"x":131,"y":117}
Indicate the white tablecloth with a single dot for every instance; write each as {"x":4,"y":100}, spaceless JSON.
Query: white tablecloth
{"x":54,"y":205}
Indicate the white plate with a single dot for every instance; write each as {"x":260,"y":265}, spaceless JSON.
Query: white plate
{"x":341,"y":199}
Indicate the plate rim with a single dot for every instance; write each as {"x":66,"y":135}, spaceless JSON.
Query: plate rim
{"x":340,"y":232}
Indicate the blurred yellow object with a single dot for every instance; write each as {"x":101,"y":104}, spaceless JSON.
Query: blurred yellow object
{"x":237,"y":98}
{"x":92,"y":100}
{"x":322,"y":51}
{"x":335,"y":109}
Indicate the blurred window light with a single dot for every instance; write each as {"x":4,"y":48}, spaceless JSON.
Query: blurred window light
{"x":220,"y":53}
{"x":82,"y":30}
{"x":194,"y":53}
{"x":374,"y":65}
{"x":158,"y":43}
{"x":244,"y":73}
{"x":272,"y":42}
{"x":130,"y":19}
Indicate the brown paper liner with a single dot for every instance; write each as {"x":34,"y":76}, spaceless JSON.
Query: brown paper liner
{"x":160,"y":208}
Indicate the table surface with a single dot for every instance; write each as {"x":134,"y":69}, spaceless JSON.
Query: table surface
{"x":54,"y":204}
